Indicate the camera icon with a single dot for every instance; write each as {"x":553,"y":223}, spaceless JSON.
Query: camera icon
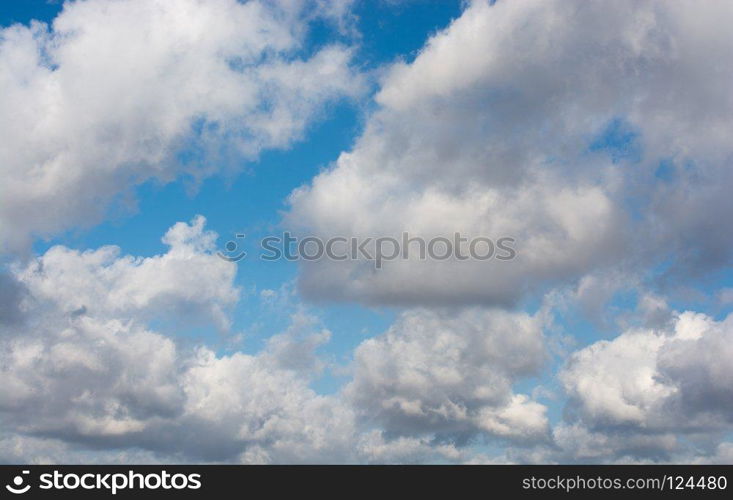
{"x":17,"y":488}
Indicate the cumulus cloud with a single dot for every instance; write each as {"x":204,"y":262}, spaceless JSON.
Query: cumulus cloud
{"x":647,"y":388}
{"x":188,"y":281}
{"x":116,"y":92}
{"x":451,"y":374}
{"x":573,"y":127}
{"x":86,"y":369}
{"x":84,"y":362}
{"x":86,"y":376}
{"x":549,"y":122}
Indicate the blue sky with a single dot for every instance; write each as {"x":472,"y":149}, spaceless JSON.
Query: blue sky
{"x":373,"y":118}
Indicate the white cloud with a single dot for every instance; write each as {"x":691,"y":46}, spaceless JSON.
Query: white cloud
{"x":188,"y":281}
{"x":81,"y":365}
{"x":503,"y":126}
{"x":265,"y":410}
{"x":86,"y":377}
{"x":489,"y":132}
{"x":451,"y":375}
{"x":648,"y":387}
{"x":617,"y":379}
{"x":82,"y":360}
{"x":117,"y":92}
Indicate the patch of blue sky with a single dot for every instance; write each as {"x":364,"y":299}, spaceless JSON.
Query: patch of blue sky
{"x":398,"y":30}
{"x":27,"y":10}
{"x":620,"y":141}
{"x":666,"y":171}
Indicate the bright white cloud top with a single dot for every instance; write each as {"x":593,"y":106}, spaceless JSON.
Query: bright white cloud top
{"x":108,"y":96}
{"x":595,"y":133}
{"x":488,"y":131}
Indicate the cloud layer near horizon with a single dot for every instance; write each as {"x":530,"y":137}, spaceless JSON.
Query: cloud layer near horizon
{"x":82,"y":366}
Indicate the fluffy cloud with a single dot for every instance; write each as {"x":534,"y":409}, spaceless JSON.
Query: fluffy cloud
{"x":86,"y":377}
{"x":451,"y":375}
{"x":81,"y":365}
{"x":188,"y":281}
{"x":644,"y":389}
{"x":82,"y":362}
{"x":117,"y":92}
{"x":573,"y":127}
{"x":570,"y":126}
